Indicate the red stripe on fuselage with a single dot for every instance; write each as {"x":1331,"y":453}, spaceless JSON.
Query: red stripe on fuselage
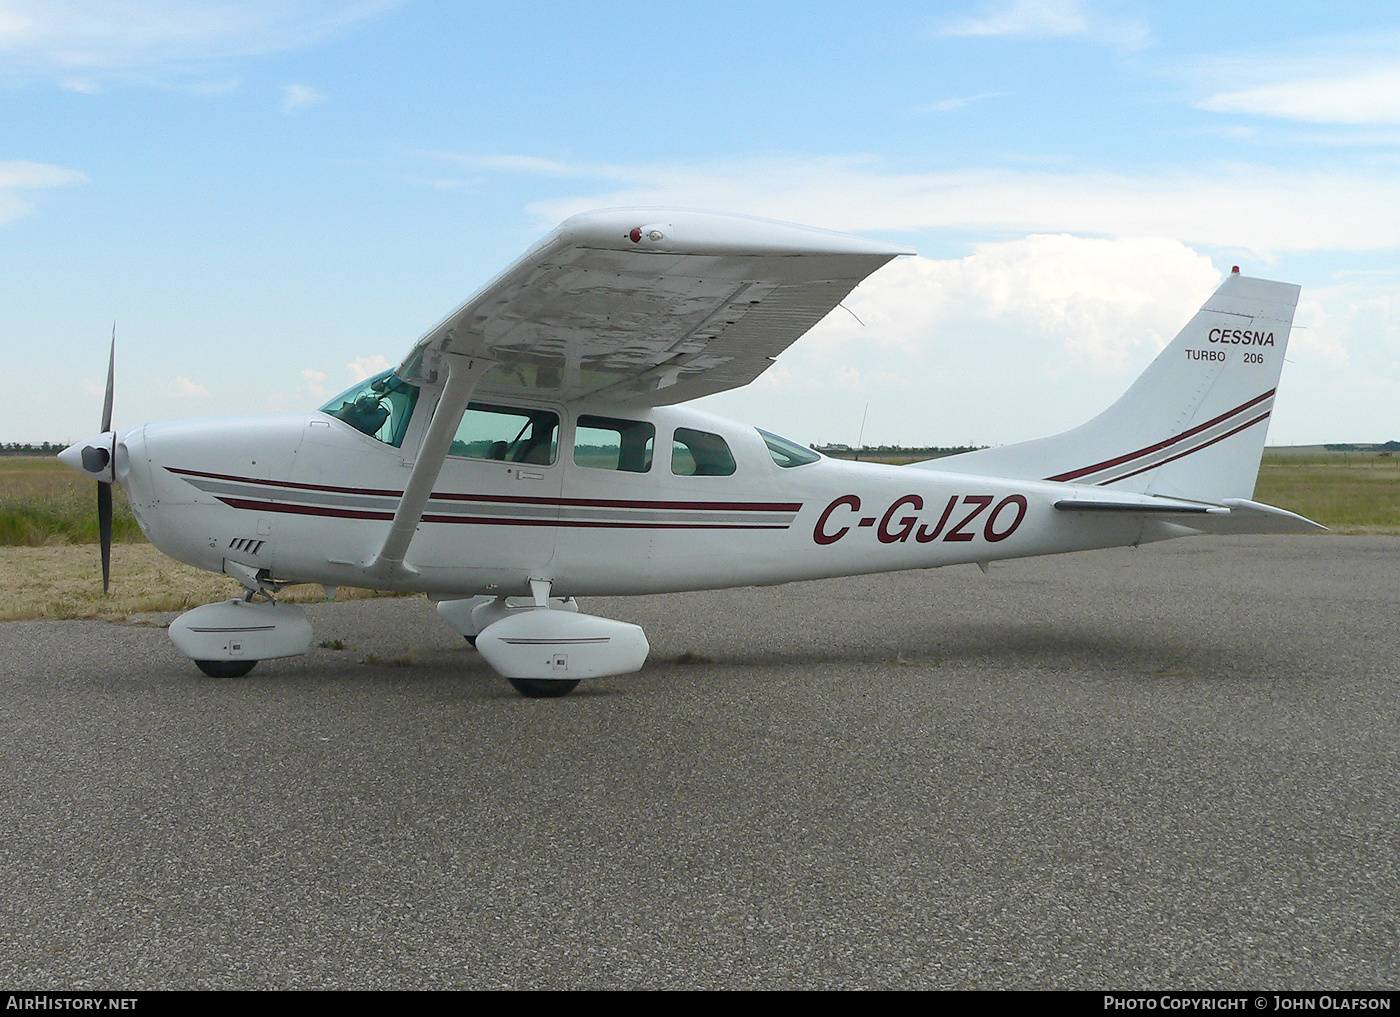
{"x":297,"y":509}
{"x":506,"y":499}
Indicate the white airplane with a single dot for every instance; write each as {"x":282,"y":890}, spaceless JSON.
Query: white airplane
{"x":530,"y":449}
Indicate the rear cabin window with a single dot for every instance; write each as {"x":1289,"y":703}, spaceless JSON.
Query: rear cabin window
{"x":507,"y":434}
{"x":786,"y":454}
{"x":605,"y":443}
{"x":700,"y":454}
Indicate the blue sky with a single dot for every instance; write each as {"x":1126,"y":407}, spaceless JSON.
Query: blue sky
{"x":272,"y":198}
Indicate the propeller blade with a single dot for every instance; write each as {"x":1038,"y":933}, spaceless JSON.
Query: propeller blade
{"x":104,"y":531}
{"x":107,"y":401}
{"x":104,"y":491}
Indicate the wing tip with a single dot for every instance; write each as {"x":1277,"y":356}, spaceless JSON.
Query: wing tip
{"x":699,"y":231}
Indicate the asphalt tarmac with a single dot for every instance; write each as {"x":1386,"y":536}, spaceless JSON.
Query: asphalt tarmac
{"x":1173,"y":767}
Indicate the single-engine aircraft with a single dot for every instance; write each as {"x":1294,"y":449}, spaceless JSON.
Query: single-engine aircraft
{"x":532,"y":448}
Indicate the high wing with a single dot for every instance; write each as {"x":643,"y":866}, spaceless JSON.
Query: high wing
{"x":651,"y":306}
{"x":642,"y":307}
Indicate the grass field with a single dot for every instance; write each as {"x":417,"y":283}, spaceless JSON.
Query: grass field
{"x":49,"y":564}
{"x":1349,"y":492}
{"x":42,"y":502}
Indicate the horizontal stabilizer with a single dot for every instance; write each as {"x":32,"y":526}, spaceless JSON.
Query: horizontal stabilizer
{"x":1254,"y":517}
{"x":1075,"y":505}
{"x":1232,"y":515}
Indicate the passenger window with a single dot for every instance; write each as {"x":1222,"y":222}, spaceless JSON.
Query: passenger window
{"x":700,"y":454}
{"x":507,"y":434}
{"x":785,"y":453}
{"x":602,"y":443}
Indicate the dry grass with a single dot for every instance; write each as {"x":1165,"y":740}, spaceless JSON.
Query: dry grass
{"x":66,"y":582}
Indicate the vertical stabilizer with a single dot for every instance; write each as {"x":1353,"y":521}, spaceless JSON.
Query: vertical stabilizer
{"x":1191,"y":426}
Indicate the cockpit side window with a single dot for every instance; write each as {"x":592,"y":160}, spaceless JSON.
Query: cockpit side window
{"x":785,"y":453}
{"x":508,"y":434}
{"x":380,"y":407}
{"x":604,"y":443}
{"x":700,"y":454}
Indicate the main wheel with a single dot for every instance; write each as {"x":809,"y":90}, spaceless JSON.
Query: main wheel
{"x":535,"y":688}
{"x":226,"y":668}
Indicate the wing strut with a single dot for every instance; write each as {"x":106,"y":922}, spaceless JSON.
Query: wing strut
{"x":463,"y":373}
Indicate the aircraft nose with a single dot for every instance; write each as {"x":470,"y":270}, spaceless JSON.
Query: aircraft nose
{"x":93,"y":457}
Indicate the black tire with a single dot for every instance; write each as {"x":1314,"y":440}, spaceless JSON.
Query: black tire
{"x":534,"y":688}
{"x":226,"y":668}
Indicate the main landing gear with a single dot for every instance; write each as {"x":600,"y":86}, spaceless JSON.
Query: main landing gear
{"x":544,"y":645}
{"x":532,"y":688}
{"x":226,"y":640}
{"x":226,"y":668}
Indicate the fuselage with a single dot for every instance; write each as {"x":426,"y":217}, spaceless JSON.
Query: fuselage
{"x":703,"y":503}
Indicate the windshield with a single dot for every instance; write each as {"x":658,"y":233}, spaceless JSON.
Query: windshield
{"x":379,"y":407}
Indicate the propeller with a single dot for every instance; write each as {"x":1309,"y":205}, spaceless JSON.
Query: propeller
{"x":97,"y":458}
{"x":104,"y":488}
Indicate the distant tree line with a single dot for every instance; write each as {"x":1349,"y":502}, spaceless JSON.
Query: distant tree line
{"x":48,"y":448}
{"x":1390,"y":446}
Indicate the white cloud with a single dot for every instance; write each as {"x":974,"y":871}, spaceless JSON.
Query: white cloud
{"x":1342,"y":381}
{"x":316,"y":383}
{"x":505,"y":162}
{"x":183,"y":388}
{"x":1018,"y":339}
{"x":1034,"y":335}
{"x":1023,"y":17}
{"x":1100,"y":299}
{"x":311,"y":391}
{"x":948,"y":105}
{"x":367,"y":367}
{"x":1346,"y":96}
{"x":1238,"y":206}
{"x":36,"y":174}
{"x":295,"y":97}
{"x":84,"y":85}
{"x":102,"y":37}
{"x":1047,"y":18}
{"x":18,"y":176}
